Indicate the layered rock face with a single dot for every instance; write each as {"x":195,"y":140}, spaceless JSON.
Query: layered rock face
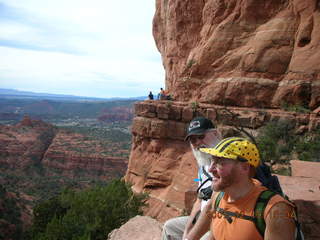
{"x":241,"y":53}
{"x":74,"y":155}
{"x":248,"y":57}
{"x":24,"y":145}
{"x":34,"y":143}
{"x":162,"y":164}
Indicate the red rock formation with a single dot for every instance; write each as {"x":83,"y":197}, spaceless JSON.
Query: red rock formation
{"x":251,"y":56}
{"x":116,"y":114}
{"x":138,"y":228}
{"x":33,"y":142}
{"x":23,"y":145}
{"x":162,"y":164}
{"x":15,"y":214}
{"x":241,"y":53}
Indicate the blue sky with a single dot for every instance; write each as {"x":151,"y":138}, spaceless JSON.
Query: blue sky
{"x":96,"y":48}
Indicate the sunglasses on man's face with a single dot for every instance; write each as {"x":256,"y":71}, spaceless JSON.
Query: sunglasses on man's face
{"x":221,"y":162}
{"x":194,"y":138}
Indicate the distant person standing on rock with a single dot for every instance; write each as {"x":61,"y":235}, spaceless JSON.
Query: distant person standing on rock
{"x":162,"y":94}
{"x":150,"y":96}
{"x":200,"y":133}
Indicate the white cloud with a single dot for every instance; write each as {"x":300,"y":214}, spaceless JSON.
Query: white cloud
{"x":98,"y":48}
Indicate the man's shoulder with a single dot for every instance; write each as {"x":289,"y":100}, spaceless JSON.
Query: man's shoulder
{"x":278,"y":203}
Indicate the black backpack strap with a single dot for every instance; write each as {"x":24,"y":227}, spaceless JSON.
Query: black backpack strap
{"x":206,"y":173}
{"x":209,"y":178}
{"x":221,"y":210}
{"x":227,"y":214}
{"x":198,"y":189}
{"x":299,"y":234}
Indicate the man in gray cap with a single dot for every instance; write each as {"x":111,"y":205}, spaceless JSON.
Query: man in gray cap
{"x":201,"y":133}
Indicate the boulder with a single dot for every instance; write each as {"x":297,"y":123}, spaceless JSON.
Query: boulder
{"x":138,"y":228}
{"x":305,"y":169}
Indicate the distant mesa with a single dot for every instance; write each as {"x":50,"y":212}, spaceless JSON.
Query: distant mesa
{"x":26,"y":121}
{"x":16,"y":94}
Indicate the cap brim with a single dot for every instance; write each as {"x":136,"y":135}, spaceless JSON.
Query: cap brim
{"x":216,"y":153}
{"x":195,"y":132}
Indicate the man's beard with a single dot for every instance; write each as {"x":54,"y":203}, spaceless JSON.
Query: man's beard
{"x":203,"y":159}
{"x":221,"y":183}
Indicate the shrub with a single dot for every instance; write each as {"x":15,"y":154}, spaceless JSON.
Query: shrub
{"x":194,"y":106}
{"x":308,"y":147}
{"x":295,"y":108}
{"x":91,"y":214}
{"x":278,"y":142}
{"x":10,"y":216}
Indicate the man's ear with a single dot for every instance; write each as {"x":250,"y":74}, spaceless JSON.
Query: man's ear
{"x":245,"y":167}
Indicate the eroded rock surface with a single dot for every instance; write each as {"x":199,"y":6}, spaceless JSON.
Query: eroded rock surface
{"x":162,"y":164}
{"x":241,"y":53}
{"x":34,"y":143}
{"x":138,"y":228}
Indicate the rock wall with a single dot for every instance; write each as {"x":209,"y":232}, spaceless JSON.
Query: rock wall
{"x":241,"y":53}
{"x":250,"y":57}
{"x":162,"y":164}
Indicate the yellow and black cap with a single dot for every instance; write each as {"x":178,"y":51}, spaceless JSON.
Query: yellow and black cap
{"x":236,"y":148}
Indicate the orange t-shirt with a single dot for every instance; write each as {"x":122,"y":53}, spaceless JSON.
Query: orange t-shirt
{"x":241,"y":229}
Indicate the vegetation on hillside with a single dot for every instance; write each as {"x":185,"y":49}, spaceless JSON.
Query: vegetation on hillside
{"x":85,"y":215}
{"x":10,"y":221}
{"x":115,"y":139}
{"x":40,"y":183}
{"x":279,"y":142}
{"x":49,"y":109}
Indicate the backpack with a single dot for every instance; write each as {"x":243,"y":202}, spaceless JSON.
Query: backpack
{"x":259,"y":209}
{"x":263,"y":174}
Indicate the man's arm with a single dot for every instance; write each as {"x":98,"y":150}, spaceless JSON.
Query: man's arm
{"x":280,"y":223}
{"x":196,"y":207}
{"x":202,"y":225}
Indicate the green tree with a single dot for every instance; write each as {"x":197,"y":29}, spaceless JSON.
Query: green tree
{"x":276,"y":140}
{"x":10,"y":215}
{"x":86,"y":215}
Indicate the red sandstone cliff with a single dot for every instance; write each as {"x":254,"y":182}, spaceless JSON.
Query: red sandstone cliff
{"x":162,"y":164}
{"x":33,"y":143}
{"x":241,"y":53}
{"x":253,"y":54}
{"x":250,"y":56}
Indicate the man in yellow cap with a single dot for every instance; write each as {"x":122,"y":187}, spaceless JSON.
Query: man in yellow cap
{"x":234,"y":212}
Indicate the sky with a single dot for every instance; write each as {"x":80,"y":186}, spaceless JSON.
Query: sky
{"x":96,"y":48}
